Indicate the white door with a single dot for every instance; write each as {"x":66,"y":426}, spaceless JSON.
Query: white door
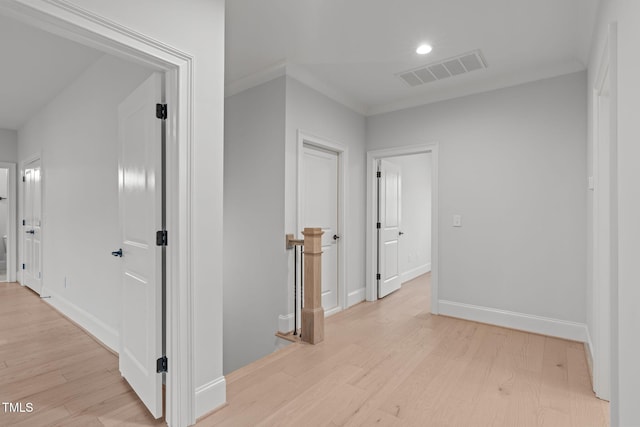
{"x":389,"y":219}
{"x":32,"y":226}
{"x":319,"y":208}
{"x":140,"y":199}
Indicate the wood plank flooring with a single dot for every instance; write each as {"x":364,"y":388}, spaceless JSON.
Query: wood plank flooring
{"x":385,"y":363}
{"x":392,"y":363}
{"x":48,"y":361}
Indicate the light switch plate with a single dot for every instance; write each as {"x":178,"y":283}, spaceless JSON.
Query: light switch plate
{"x":457,"y":220}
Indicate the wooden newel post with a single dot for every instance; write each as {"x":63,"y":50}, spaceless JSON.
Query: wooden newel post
{"x":312,"y":313}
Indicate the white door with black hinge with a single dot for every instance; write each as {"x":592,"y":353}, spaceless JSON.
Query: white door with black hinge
{"x":32,"y":226}
{"x":140,"y":200}
{"x":319,"y":208}
{"x":389,"y":231}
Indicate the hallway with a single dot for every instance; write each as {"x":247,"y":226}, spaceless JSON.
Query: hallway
{"x":393,"y":363}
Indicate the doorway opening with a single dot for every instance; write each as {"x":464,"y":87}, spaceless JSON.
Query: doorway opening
{"x":91,"y":30}
{"x":8,"y":222}
{"x":395,"y":256}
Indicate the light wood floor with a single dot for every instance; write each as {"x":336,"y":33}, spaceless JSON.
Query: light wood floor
{"x":392,"y":363}
{"x":70,"y":379}
{"x":384,"y":363}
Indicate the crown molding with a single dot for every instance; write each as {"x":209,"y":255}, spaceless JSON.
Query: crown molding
{"x":299,"y":73}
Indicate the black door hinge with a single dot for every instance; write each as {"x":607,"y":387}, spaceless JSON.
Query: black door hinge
{"x":162,"y":365}
{"x":378,"y":276}
{"x":24,"y":266}
{"x":161,"y":111}
{"x":162,"y":238}
{"x":378,"y":174}
{"x":24,"y":178}
{"x":24,"y":222}
{"x":378,"y":225}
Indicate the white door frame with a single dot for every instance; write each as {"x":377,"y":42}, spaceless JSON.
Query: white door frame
{"x":343,"y":155}
{"x":12,"y":206}
{"x":604,"y":293}
{"x":67,"y":20}
{"x":372,"y":200}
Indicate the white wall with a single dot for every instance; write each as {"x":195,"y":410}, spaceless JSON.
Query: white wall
{"x":415,"y":244}
{"x":625,"y":348}
{"x":255,"y":258}
{"x":8,"y":145}
{"x":314,"y":113}
{"x":197,"y":28}
{"x":512,"y":162}
{"x":76,"y":136}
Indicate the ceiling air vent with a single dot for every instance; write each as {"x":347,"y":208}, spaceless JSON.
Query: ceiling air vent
{"x":460,"y":64}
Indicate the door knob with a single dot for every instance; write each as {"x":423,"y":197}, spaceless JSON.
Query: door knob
{"x":336,"y":237}
{"x":117,"y":253}
{"x":31,"y":232}
{"x":400,"y":233}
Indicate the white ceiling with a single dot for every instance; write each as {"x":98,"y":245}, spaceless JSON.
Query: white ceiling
{"x":356,"y":47}
{"x":36,"y":66}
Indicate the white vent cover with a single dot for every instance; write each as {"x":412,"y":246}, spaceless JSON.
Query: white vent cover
{"x":460,"y":64}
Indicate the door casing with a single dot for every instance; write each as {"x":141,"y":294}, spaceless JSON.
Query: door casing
{"x":12,"y":226}
{"x":80,"y":25}
{"x":372,"y":209}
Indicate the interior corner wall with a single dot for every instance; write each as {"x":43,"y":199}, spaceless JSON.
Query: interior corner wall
{"x":625,"y":347}
{"x":314,"y":113}
{"x":415,"y":247}
{"x":77,"y":139}
{"x":255,"y":258}
{"x":512,"y":162}
{"x":8,"y":145}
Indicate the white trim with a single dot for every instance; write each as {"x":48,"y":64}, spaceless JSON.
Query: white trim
{"x":64,"y":18}
{"x":415,"y":272}
{"x":299,"y":73}
{"x":343,"y":160}
{"x":602,"y":300}
{"x":285,"y":323}
{"x":356,"y":296}
{"x":255,"y":79}
{"x":210,"y":395}
{"x":371,"y":208}
{"x":43,"y":219}
{"x":96,"y":327}
{"x":520,"y":321}
{"x":335,"y":310}
{"x":12,"y":212}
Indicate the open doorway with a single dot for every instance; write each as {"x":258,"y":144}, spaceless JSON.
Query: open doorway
{"x":404,"y":214}
{"x":402,"y":232}
{"x":7,"y":222}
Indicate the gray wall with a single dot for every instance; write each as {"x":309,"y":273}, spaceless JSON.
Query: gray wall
{"x":512,"y":162}
{"x":312,"y":112}
{"x":255,"y":261}
{"x":8,"y":145}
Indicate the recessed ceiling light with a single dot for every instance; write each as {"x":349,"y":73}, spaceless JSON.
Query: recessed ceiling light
{"x":423,"y":49}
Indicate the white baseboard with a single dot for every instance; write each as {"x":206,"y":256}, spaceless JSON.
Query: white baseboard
{"x":415,"y":272}
{"x":211,"y":396}
{"x":96,"y":327}
{"x":285,"y":323}
{"x":356,"y":296}
{"x":588,"y":345}
{"x":509,"y":319}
